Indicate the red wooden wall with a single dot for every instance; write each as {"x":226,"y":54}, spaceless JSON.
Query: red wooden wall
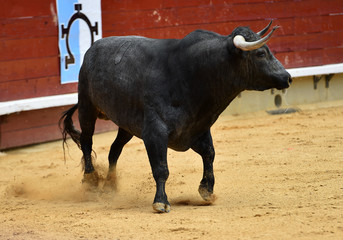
{"x":311,"y":34}
{"x":37,"y":126}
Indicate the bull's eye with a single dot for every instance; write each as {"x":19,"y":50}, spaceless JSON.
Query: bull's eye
{"x":261,"y":53}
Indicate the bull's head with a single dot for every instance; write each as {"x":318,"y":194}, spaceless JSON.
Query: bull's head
{"x":261,"y":69}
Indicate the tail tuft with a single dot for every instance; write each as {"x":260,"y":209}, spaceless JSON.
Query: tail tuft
{"x":67,"y":127}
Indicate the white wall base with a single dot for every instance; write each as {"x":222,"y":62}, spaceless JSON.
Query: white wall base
{"x":37,"y":103}
{"x":315,"y":71}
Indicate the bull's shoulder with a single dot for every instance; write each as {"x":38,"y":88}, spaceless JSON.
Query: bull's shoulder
{"x":199,"y":36}
{"x":202,"y":34}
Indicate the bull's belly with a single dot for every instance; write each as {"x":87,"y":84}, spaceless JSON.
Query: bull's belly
{"x":130,"y":117}
{"x":182,"y":141}
{"x":124,"y":115}
{"x":134,"y":126}
{"x":180,"y":144}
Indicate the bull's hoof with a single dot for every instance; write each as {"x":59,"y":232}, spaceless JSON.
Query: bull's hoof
{"x":91,"y":179}
{"x":111,"y":180}
{"x":206,"y":195}
{"x":161,"y":207}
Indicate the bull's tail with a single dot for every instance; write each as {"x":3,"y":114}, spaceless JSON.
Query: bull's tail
{"x":67,"y":127}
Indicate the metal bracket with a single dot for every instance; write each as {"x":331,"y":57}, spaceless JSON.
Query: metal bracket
{"x":316,"y":79}
{"x":327,"y":79}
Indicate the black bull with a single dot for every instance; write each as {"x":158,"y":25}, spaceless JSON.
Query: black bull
{"x":168,"y":92}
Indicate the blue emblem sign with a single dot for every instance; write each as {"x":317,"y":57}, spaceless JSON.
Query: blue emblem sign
{"x":79,"y":24}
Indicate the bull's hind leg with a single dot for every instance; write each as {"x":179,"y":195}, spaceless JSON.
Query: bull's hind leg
{"x":122,"y":138}
{"x":156,"y":142}
{"x":87,"y":118}
{"x":204,"y":147}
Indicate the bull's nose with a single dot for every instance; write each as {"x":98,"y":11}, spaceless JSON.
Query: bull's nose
{"x":284,"y":81}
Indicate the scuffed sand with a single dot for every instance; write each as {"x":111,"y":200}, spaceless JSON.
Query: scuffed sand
{"x":277,"y":177}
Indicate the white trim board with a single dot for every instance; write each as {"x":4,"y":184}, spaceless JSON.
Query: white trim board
{"x":69,"y":99}
{"x":315,"y":71}
{"x":37,"y":103}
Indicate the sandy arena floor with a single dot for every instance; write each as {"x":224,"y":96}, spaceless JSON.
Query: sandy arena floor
{"x":277,"y":177}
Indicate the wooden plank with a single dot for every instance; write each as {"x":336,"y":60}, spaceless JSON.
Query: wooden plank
{"x":37,"y":118}
{"x":314,"y":24}
{"x":312,"y":56}
{"x":306,"y":42}
{"x":29,"y":68}
{"x":13,"y":28}
{"x":277,"y":43}
{"x":180,"y":31}
{"x":32,"y":119}
{"x":28,"y":48}
{"x":301,"y":58}
{"x":36,"y":87}
{"x":20,"y":8}
{"x":333,"y":55}
{"x":216,"y":13}
{"x":224,"y":28}
{"x":288,"y":26}
{"x":226,"y":2}
{"x":276,"y":10}
{"x":129,"y":5}
{"x":40,"y":134}
{"x":29,"y":136}
{"x":305,"y":25}
{"x":318,"y":7}
{"x":137,"y":20}
{"x":36,"y":126}
{"x":333,"y":22}
{"x":182,"y":3}
{"x":34,"y":27}
{"x":303,"y":8}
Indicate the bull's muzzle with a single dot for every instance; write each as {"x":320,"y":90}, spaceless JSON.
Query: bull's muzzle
{"x":284,"y":81}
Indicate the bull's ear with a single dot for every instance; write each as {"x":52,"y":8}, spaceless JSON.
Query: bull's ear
{"x":240,"y":42}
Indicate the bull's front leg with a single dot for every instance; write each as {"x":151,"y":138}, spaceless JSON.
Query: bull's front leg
{"x":155,"y":138}
{"x":204,"y":147}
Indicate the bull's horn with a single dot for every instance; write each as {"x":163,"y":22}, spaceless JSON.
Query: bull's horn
{"x":264,"y":30}
{"x":239,"y":42}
